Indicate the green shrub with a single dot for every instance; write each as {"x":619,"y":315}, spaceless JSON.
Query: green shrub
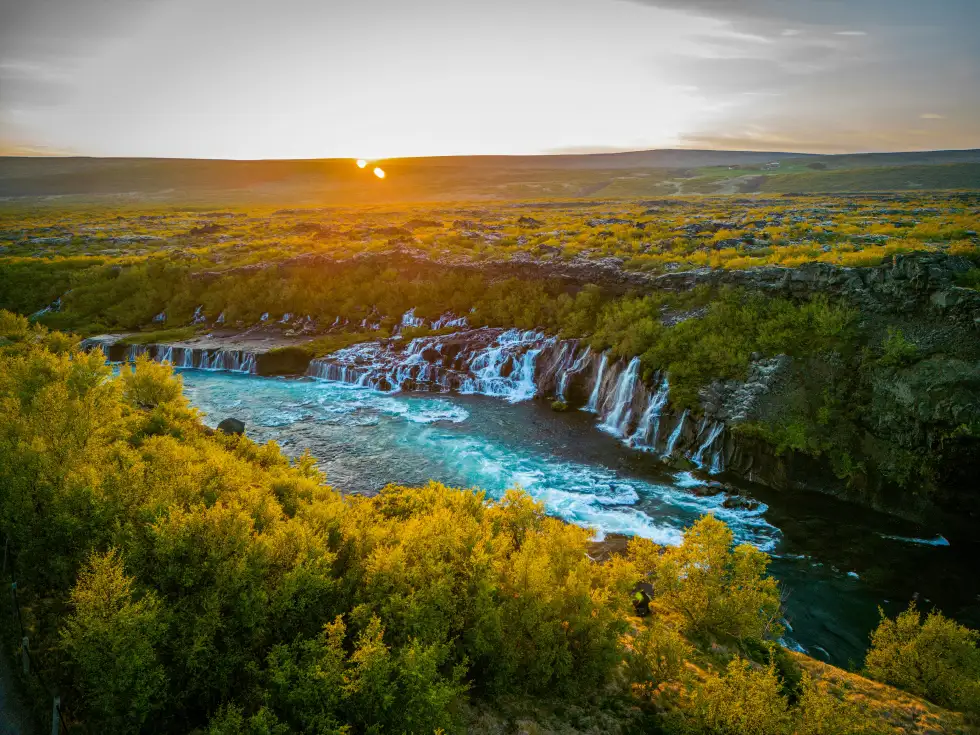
{"x":936,"y":658}
{"x":111,"y":638}
{"x":897,"y":351}
{"x":656,"y":655}
{"x":819,"y":712}
{"x":717,"y":588}
{"x":743,"y":701}
{"x":148,"y":384}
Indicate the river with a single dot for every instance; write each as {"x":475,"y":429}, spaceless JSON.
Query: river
{"x":837,"y":562}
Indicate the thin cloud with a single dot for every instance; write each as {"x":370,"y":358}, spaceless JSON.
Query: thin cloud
{"x":931,"y":116}
{"x":851,"y":33}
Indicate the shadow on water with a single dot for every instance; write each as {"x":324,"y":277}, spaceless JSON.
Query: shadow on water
{"x":837,"y":562}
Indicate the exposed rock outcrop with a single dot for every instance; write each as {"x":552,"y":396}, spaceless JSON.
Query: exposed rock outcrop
{"x":232,"y":426}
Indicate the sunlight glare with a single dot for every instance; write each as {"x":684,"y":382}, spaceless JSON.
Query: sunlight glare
{"x":379,"y":172}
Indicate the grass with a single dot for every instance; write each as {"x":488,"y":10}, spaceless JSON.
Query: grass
{"x":176,"y":334}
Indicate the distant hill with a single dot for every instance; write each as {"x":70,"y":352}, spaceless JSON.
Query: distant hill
{"x":640,"y":173}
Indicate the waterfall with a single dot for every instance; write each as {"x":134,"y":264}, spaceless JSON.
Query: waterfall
{"x":651,"y":418}
{"x":593,"y":404}
{"x":410,"y":320}
{"x":717,"y":461}
{"x":198,"y":317}
{"x":617,"y":421}
{"x":485,"y":361}
{"x":716,"y":430}
{"x":502,"y":371}
{"x":577,"y":366}
{"x":94,"y":343}
{"x":238,"y":361}
{"x":134,"y":351}
{"x":675,"y":435}
{"x":448,"y":320}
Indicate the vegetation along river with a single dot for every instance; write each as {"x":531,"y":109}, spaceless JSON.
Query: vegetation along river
{"x":837,"y":562}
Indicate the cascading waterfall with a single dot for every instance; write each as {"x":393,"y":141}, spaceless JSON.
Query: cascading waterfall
{"x":450,"y":320}
{"x":715,"y":432}
{"x":578,"y":365}
{"x":617,"y":421}
{"x":718,"y":460}
{"x":410,"y":320}
{"x":515,"y":366}
{"x":239,"y":361}
{"x":593,"y":404}
{"x":482,"y":361}
{"x":648,"y":430}
{"x":512,"y":364}
{"x":675,"y":434}
{"x":502,"y":371}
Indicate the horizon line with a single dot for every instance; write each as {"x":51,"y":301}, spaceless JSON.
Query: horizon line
{"x":554,"y":154}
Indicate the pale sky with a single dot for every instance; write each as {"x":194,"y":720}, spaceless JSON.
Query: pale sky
{"x":383,"y":78}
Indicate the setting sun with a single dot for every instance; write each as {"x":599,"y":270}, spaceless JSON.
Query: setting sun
{"x":379,"y":172}
{"x":361,"y":163}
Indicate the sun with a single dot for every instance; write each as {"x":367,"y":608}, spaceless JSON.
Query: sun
{"x":361,"y":163}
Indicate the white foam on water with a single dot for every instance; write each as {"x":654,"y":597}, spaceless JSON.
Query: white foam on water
{"x":276,"y":402}
{"x":686,"y":479}
{"x":444,"y":443}
{"x":938,"y":541}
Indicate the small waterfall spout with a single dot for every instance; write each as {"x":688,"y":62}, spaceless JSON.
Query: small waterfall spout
{"x":577,"y":366}
{"x":715,"y":432}
{"x":593,"y":404}
{"x":675,"y":434}
{"x":617,"y":421}
{"x":648,"y":430}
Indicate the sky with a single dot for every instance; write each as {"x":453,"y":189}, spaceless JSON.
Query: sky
{"x":383,"y":78}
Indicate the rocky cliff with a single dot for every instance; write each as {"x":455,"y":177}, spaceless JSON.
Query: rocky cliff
{"x":894,"y":423}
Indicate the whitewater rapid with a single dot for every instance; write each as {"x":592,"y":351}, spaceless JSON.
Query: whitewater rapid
{"x":366,"y":438}
{"x":836,"y":563}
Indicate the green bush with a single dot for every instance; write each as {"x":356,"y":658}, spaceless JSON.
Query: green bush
{"x":186,"y":571}
{"x":111,"y":639}
{"x":820,"y":712}
{"x":656,"y":655}
{"x":935,"y":658}
{"x":717,"y":588}
{"x":897,"y":351}
{"x":743,"y":701}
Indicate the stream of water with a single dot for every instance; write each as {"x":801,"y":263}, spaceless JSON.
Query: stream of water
{"x":837,"y":562}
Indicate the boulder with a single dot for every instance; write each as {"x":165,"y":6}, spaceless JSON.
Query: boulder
{"x":232,"y":426}
{"x":740,"y":502}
